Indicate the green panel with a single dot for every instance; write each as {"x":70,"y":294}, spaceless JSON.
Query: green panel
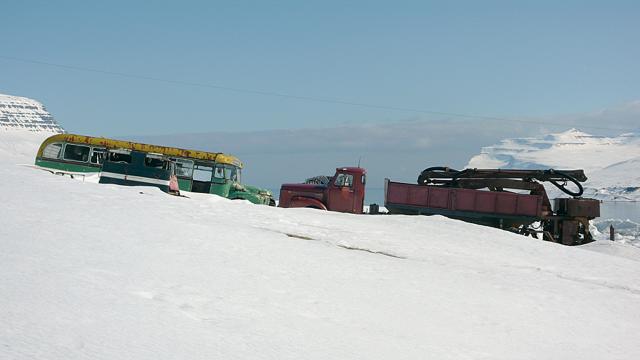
{"x":220,"y":189}
{"x":63,"y":166}
{"x":184,"y":184}
{"x":137,"y":167}
{"x":107,"y":180}
{"x":252,"y":194}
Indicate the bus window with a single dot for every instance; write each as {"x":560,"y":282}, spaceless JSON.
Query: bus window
{"x":119,"y":157}
{"x":202,"y":173}
{"x":52,"y":151}
{"x":76,"y":152}
{"x":97,"y":156}
{"x":219,"y":172}
{"x":232,"y":174}
{"x":155,"y":163}
{"x":184,"y":168}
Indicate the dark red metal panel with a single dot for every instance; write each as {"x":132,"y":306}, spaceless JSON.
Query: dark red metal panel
{"x":438,"y":197}
{"x":464,"y":200}
{"x":417,"y":195}
{"x":578,"y":207}
{"x":530,"y":205}
{"x":397,"y":193}
{"x":468,"y":200}
{"x":506,"y":203}
{"x":485,"y":201}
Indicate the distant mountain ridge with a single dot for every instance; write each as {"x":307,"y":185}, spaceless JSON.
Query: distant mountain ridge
{"x":22,"y":113}
{"x":612,"y":164}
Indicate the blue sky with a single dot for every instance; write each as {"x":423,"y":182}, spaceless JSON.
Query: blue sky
{"x":494,"y":58}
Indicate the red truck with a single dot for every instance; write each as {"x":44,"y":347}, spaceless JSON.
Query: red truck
{"x":474,"y":195}
{"x":343,"y":192}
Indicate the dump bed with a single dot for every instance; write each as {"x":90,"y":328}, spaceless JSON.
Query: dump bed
{"x":402,"y":198}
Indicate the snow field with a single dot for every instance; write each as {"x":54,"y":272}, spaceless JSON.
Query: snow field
{"x":105,"y":272}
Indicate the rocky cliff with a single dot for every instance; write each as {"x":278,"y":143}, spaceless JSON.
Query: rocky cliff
{"x":22,"y":113}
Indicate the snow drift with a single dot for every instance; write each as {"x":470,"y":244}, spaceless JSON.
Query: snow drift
{"x":107,"y":272}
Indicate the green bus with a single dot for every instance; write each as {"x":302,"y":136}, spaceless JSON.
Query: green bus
{"x":135,"y":168}
{"x":197,"y":171}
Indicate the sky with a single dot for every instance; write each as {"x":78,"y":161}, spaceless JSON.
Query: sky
{"x":141,"y":68}
{"x":297,"y":88}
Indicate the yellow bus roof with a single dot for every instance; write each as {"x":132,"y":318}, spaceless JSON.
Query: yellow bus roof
{"x":165,"y":150}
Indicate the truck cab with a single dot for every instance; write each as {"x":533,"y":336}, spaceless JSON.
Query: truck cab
{"x":343,"y":193}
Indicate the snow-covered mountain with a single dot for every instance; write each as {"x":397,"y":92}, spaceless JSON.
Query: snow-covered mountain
{"x":24,"y":124}
{"x":21,"y":113}
{"x":612,"y":164}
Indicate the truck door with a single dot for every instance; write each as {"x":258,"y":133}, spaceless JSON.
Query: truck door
{"x":340,"y":195}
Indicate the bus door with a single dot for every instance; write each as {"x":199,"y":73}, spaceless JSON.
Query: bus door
{"x":184,"y":172}
{"x":202,"y":174}
{"x":220,"y":183}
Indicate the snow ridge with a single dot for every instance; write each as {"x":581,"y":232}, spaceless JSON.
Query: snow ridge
{"x":22,"y":113}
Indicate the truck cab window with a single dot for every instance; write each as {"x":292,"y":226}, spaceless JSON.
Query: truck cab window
{"x":344,"y":180}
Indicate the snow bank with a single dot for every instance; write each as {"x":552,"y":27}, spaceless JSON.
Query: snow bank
{"x":107,"y":272}
{"x":20,"y":145}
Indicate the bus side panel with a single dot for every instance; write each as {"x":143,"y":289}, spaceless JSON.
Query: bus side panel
{"x":220,"y":189}
{"x":246,"y":195}
{"x":66,"y":166}
{"x":127,"y":182}
{"x":184,"y":184}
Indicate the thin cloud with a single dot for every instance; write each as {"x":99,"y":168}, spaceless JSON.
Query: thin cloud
{"x":398,"y":150}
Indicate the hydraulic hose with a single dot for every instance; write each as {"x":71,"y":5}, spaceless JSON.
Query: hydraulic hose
{"x":563,"y":187}
{"x":423,"y":178}
{"x":452,"y":175}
